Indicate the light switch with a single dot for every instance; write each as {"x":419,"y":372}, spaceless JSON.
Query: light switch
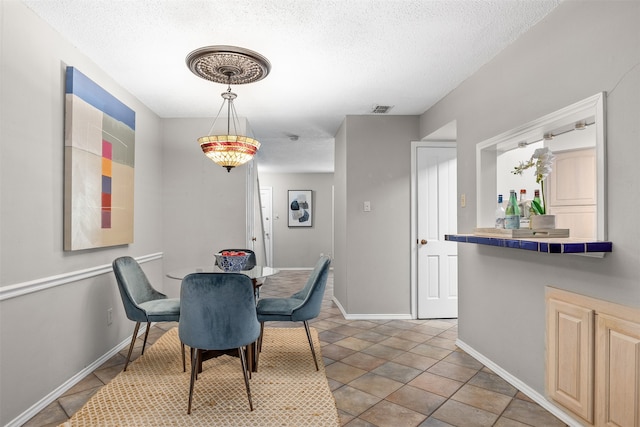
{"x":367,"y":206}
{"x":463,"y":200}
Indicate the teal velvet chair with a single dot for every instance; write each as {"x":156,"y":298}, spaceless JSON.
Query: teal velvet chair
{"x":302,"y":306}
{"x":218,"y":312}
{"x":142,"y":302}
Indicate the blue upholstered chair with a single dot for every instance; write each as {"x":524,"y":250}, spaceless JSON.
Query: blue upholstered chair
{"x":302,"y":306}
{"x":142,"y":302}
{"x":218,"y":312}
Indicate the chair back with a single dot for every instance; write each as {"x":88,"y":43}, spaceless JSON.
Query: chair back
{"x":217,"y":311}
{"x":251,"y":261}
{"x":313,"y":292}
{"x":134,"y":287}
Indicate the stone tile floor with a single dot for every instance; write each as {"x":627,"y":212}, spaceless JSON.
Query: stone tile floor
{"x":382,"y":373}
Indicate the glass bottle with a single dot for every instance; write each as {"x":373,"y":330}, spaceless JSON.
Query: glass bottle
{"x":522,"y":203}
{"x":499,"y":213}
{"x":536,"y":198}
{"x":512,"y":213}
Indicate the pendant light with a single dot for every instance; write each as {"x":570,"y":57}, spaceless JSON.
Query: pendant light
{"x":230,"y":65}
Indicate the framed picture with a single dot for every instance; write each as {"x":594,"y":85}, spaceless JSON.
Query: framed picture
{"x":99,"y":160}
{"x":300,"y":208}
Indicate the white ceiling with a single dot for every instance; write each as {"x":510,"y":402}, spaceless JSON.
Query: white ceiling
{"x":329,"y":58}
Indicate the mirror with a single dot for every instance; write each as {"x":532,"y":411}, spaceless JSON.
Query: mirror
{"x":575,"y":189}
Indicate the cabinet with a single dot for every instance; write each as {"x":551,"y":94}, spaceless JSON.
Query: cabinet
{"x":572,"y":192}
{"x":617,"y":372}
{"x":593,"y":359}
{"x":570,"y":344}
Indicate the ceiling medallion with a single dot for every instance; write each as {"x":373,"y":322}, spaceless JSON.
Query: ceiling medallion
{"x":228,"y":64}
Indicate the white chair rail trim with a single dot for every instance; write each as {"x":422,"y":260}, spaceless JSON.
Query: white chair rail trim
{"x":24,"y":288}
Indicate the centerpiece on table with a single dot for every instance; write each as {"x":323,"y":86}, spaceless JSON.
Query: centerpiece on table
{"x":542,"y":160}
{"x":232,"y":260}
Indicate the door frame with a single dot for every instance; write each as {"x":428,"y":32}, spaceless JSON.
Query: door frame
{"x":268,"y":247}
{"x":413,"y":241}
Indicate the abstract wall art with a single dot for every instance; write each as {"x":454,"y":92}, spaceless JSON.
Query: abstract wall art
{"x":300,"y":212}
{"x":99,"y":158}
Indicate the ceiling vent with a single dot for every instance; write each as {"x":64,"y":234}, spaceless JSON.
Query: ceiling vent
{"x":381,"y":109}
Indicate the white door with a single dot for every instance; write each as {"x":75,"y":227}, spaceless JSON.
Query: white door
{"x":266,"y":198}
{"x":437,"y":259}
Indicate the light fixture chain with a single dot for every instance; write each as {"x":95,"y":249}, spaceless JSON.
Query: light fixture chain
{"x":217,"y":115}
{"x":236,"y":120}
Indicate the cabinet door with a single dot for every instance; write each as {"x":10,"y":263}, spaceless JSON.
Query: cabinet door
{"x":573,"y":180}
{"x":572,"y":192}
{"x":618,"y":372}
{"x":570,"y":344}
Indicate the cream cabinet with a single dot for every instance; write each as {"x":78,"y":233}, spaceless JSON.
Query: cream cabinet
{"x":593,"y":359}
{"x":570,"y":344}
{"x":572,"y":192}
{"x":617,"y":372}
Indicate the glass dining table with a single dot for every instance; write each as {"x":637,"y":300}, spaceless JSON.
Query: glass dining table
{"x":256,"y":273}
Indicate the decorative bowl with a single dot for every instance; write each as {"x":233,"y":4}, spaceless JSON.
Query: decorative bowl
{"x":232,"y":261}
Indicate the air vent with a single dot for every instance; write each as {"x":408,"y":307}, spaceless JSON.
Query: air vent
{"x":381,"y":109}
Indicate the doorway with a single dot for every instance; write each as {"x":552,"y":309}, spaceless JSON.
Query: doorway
{"x":434,"y":275}
{"x":266,"y":202}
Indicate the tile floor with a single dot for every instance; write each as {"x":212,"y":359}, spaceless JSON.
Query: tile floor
{"x":382,"y":373}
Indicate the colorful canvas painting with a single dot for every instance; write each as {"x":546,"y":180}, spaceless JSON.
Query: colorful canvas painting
{"x":99,"y":166}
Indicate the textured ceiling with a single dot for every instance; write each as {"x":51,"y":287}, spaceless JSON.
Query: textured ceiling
{"x":329,"y":58}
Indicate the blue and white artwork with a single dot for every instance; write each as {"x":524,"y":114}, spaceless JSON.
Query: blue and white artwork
{"x":300,"y":213}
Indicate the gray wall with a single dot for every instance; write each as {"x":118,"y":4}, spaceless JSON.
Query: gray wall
{"x":300,"y":247}
{"x":50,"y":335}
{"x":53,"y":304}
{"x":580,"y":49}
{"x":204,"y":206}
{"x":372,"y":266}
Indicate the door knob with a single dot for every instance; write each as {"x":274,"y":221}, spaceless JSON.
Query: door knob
{"x":423,"y":242}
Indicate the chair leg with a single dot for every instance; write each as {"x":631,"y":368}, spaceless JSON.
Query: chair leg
{"x":246,"y":376}
{"x":199,"y":367}
{"x":184,"y":362}
{"x":133,"y":341}
{"x":146,"y":334}
{"x":260,"y":337}
{"x":313,"y":352}
{"x":250,"y":356}
{"x":257,"y":348}
{"x":194,"y":368}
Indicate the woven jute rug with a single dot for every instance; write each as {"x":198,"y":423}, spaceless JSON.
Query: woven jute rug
{"x":287,"y":390}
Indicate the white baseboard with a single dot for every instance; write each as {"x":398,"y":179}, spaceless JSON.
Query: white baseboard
{"x":369,"y":316}
{"x":62,"y":389}
{"x":524,"y":388}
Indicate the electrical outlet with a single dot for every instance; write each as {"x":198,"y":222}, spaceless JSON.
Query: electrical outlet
{"x":109,"y":316}
{"x":367,"y":206}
